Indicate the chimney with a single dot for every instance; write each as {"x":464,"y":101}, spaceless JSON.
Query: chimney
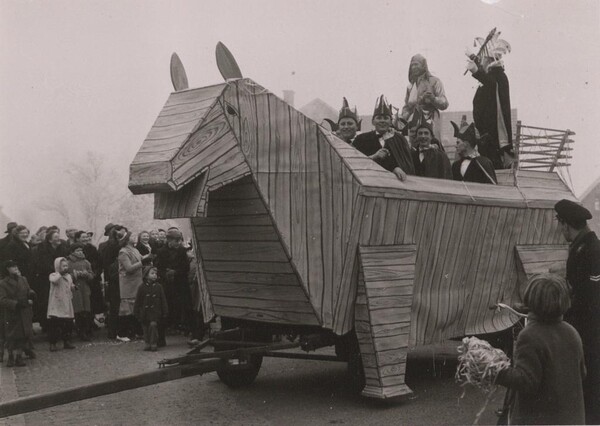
{"x":288,"y":96}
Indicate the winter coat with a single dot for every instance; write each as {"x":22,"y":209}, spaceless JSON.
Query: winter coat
{"x":81,"y":271}
{"x":547,"y":375}
{"x":14,"y":292}
{"x":60,"y":301}
{"x":150,"y":303}
{"x":130,"y":271}
{"x":19,"y":252}
{"x":43,"y":257}
{"x":176,"y":260}
{"x":400,"y":154}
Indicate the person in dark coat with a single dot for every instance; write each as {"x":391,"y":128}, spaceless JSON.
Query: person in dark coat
{"x":109,"y":254}
{"x":429,"y":161}
{"x":43,"y":256}
{"x":384,"y":145}
{"x":470,"y":167}
{"x":173,"y":268}
{"x":493,"y":123}
{"x":18,"y":250}
{"x":151,"y":307}
{"x":16,"y":300}
{"x":548,"y":364}
{"x":583,"y":274}
{"x":347,"y":125}
{"x":92,"y":256}
{"x":10,"y":235}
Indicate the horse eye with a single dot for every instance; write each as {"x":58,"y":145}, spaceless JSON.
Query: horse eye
{"x":231,"y":110}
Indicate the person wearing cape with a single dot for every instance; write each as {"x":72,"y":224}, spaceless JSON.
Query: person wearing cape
{"x":471,"y":166}
{"x":384,"y":145}
{"x":491,"y":103}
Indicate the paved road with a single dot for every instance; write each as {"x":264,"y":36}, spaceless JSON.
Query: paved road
{"x":289,"y":392}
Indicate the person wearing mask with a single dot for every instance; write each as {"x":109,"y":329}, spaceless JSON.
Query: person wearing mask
{"x":385,"y":145}
{"x":425,"y":97}
{"x":471,"y":167}
{"x":491,"y":103}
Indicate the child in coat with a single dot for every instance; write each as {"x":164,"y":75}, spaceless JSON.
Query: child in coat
{"x":548,"y":363}
{"x":150,"y":307}
{"x":60,"y":305}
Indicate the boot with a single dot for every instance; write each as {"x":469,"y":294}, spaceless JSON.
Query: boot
{"x":19,"y":361}
{"x":68,"y":345}
{"x":11,"y":360}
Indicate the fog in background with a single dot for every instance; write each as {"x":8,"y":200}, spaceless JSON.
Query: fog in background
{"x":81,"y":82}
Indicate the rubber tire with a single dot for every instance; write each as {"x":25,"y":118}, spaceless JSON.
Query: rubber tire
{"x":241,"y":377}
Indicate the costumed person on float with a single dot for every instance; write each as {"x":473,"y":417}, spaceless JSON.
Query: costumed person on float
{"x":384,"y":145}
{"x":425,"y":98}
{"x":471,"y":166}
{"x":347,"y":125}
{"x":491,"y":104}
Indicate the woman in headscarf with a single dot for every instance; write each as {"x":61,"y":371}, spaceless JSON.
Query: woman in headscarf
{"x":425,"y":97}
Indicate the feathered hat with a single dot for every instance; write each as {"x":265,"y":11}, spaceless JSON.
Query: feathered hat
{"x":382,"y":107}
{"x":345,"y":112}
{"x":492,"y":46}
{"x":466,"y":132}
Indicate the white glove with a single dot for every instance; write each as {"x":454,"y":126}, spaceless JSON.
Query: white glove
{"x":471,"y":66}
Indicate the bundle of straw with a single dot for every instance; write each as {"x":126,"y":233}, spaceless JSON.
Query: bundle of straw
{"x":479,"y":363}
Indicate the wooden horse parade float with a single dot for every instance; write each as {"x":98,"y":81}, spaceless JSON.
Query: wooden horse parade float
{"x":298,"y":234}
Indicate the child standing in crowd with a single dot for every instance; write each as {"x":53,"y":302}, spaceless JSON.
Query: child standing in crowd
{"x":548,"y":366}
{"x":16,"y":299}
{"x":81,"y":273}
{"x":151,"y":307}
{"x":60,"y":305}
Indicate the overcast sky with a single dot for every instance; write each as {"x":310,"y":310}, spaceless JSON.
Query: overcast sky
{"x":93,"y":75}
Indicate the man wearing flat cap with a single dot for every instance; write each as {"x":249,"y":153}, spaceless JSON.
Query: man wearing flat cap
{"x":583,"y":274}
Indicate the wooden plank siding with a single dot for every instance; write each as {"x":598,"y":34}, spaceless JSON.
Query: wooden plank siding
{"x":383,"y":315}
{"x":245,"y":269}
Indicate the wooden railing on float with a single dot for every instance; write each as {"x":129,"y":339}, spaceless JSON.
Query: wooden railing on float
{"x":543,"y":148}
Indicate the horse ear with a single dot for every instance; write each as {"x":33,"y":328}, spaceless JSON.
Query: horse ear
{"x":226,"y":63}
{"x":333,"y":125}
{"x":178,"y":76}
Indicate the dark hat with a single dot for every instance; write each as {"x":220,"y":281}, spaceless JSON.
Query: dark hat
{"x":174,"y":234}
{"x":10,"y":226}
{"x":424,"y":125}
{"x":147,"y":270}
{"x":571,"y":212}
{"x":9,"y":264}
{"x":382,"y":107}
{"x":107,"y":228}
{"x":467,"y":133}
{"x":74,"y":247}
{"x":345,"y":112}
